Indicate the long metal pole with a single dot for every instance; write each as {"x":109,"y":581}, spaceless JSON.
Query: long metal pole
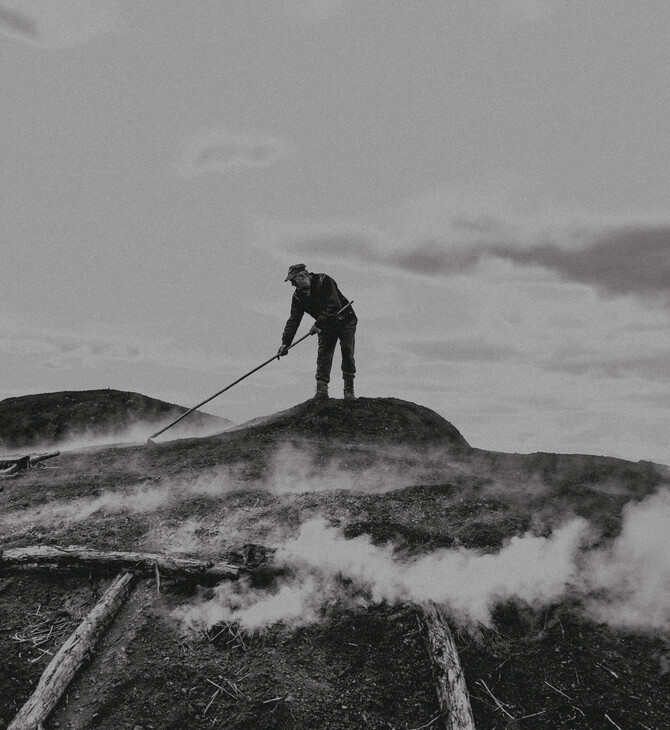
{"x":228,"y":387}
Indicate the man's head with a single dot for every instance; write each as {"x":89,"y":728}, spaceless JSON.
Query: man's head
{"x":298,"y":276}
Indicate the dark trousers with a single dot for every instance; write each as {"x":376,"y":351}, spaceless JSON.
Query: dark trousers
{"x":346,"y":334}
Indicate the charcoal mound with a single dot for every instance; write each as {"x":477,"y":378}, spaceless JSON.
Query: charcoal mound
{"x":389,"y":420}
{"x":57,"y":418}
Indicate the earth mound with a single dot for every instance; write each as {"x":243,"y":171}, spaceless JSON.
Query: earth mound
{"x":52,"y":419}
{"x":355,"y":658}
{"x":390,"y":420}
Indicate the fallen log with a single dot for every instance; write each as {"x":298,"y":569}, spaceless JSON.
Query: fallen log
{"x":39,"y":458}
{"x":63,"y":667}
{"x":452,"y":694}
{"x":12,"y":464}
{"x":9,"y":464}
{"x":50,"y":557}
{"x":10,"y":471}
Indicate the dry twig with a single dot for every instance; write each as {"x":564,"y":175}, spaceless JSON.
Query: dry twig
{"x":607,"y":669}
{"x":41,"y":631}
{"x":607,"y":717}
{"x":560,"y":692}
{"x":535,"y":714}
{"x":499,"y":704}
{"x":232,"y":691}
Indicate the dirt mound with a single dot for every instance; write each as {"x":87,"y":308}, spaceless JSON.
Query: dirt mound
{"x":56,"y":418}
{"x":351,"y":656}
{"x":390,"y":420}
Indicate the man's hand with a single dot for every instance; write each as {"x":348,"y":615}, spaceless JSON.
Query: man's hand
{"x":315,"y":330}
{"x":283,"y":350}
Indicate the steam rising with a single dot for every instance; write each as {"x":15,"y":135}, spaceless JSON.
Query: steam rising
{"x":626,"y":584}
{"x":634,"y":573}
{"x":294,"y":470}
{"x":531,"y":569}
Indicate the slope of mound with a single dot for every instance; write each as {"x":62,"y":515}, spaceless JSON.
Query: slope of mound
{"x":56,"y":418}
{"x":346,"y":518}
{"x":390,"y":420}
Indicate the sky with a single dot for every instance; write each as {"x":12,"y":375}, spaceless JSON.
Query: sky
{"x":488,"y":180}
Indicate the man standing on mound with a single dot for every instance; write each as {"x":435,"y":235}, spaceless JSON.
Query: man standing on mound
{"x":319,"y":296}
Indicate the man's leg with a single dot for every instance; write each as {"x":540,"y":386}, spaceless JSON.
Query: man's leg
{"x":324,"y":362}
{"x":347,"y":346}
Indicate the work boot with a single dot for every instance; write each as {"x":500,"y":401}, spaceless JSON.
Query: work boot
{"x":321,"y":391}
{"x":349,"y":390}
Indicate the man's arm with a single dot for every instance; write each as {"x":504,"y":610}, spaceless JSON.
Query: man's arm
{"x":293,"y":322}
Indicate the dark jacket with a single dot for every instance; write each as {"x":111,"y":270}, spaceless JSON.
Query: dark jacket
{"x":323,"y":302}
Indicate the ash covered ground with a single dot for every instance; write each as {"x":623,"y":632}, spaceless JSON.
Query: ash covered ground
{"x":555,"y":570}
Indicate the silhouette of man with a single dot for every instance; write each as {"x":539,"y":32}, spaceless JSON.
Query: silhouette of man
{"x":320,"y":297}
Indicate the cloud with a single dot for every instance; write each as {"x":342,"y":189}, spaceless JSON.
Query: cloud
{"x":461,"y":350}
{"x":651,"y":366}
{"x":69,"y":349}
{"x":341,"y":241}
{"x":615,"y":257}
{"x":57,"y":23}
{"x":220,"y":151}
{"x":17,"y":24}
{"x":631,"y":260}
{"x":88,"y":354}
{"x":310,"y":11}
{"x":525,"y":10}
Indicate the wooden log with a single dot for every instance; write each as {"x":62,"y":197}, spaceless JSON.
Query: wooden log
{"x":63,"y":667}
{"x":452,"y":694}
{"x":47,"y":556}
{"x":14,"y":462}
{"x":11,"y":465}
{"x":38,"y":458}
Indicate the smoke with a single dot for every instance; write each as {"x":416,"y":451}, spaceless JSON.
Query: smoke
{"x":290,"y":469}
{"x":144,"y":498}
{"x":625,"y":584}
{"x":294,"y":469}
{"x":624,"y":581}
{"x":529,"y":569}
{"x":55,"y":514}
{"x":631,"y":579}
{"x":127,"y":433}
{"x":325,"y":568}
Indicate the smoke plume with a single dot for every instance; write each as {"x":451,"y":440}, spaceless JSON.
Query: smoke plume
{"x":631,"y":579}
{"x":623,"y":581}
{"x":325,"y":567}
{"x":625,"y":584}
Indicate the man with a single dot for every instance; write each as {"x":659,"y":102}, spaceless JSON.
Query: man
{"x":319,"y":296}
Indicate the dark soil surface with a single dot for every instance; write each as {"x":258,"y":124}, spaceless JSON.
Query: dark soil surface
{"x":381,"y":469}
{"x":33,"y":421}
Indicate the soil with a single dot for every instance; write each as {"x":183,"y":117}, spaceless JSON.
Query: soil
{"x":384,"y":468}
{"x":33,"y":421}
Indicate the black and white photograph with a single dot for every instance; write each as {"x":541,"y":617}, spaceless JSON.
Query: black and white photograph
{"x":334,"y":364}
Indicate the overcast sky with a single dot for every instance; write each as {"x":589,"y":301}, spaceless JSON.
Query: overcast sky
{"x":489,"y":180}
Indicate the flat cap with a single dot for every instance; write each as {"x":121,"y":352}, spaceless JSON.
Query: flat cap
{"x":293,"y":270}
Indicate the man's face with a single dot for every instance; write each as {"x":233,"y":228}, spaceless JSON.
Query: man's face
{"x":301,"y":280}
